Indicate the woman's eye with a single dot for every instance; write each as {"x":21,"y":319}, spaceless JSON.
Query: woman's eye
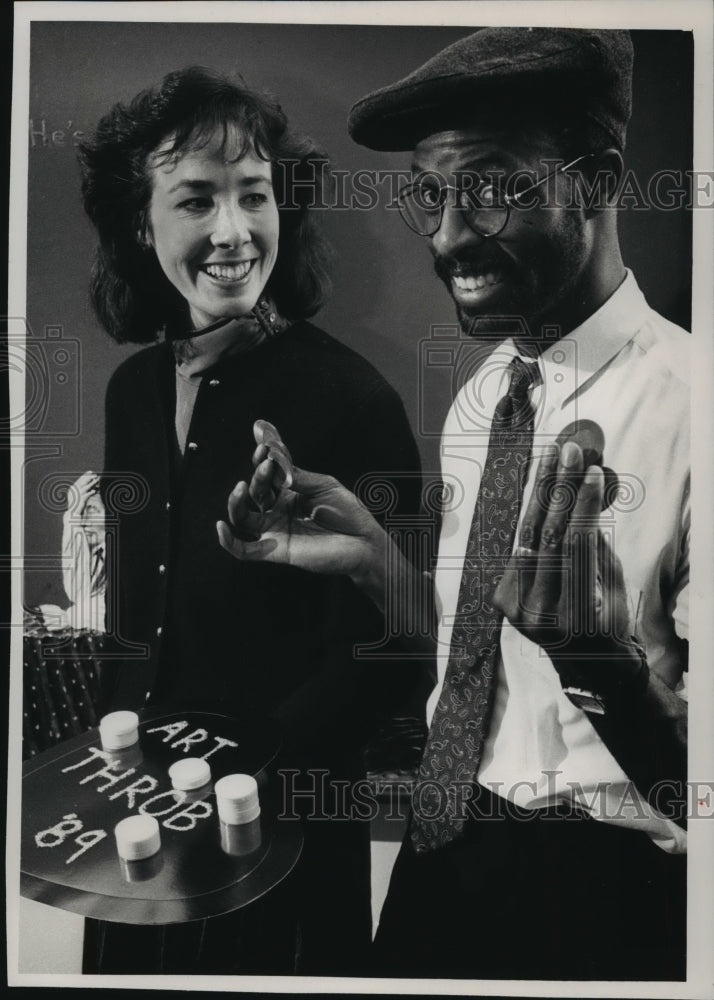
{"x":256,"y":200}
{"x":195,"y":204}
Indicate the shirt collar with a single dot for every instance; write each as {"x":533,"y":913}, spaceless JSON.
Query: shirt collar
{"x":574,"y":359}
{"x":227,"y":337}
{"x":232,"y":337}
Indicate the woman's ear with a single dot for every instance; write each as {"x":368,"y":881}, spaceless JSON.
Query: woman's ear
{"x":143,"y":238}
{"x":143,"y":232}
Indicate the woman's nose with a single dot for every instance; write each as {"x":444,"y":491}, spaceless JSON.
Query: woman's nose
{"x":230,"y":228}
{"x":454,"y":231}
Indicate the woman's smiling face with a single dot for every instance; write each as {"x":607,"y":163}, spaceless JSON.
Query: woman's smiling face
{"x":213,"y":222}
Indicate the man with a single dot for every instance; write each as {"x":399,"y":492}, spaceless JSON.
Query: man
{"x":541,"y":843}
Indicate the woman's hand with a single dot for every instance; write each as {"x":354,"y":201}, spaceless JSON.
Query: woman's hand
{"x":304,"y":519}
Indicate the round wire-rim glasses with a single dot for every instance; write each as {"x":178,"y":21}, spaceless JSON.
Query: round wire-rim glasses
{"x":485,"y":207}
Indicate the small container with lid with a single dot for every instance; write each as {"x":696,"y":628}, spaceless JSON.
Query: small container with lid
{"x":240,"y":840}
{"x":143,"y":870}
{"x":119,"y":730}
{"x":138,"y":837}
{"x":122,"y":760}
{"x":237,"y":799}
{"x":190,"y":774}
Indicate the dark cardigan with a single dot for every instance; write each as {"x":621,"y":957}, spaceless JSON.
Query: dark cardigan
{"x":209,"y":631}
{"x":195,"y":627}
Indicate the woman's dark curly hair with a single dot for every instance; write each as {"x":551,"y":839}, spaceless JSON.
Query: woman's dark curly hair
{"x":132,"y":297}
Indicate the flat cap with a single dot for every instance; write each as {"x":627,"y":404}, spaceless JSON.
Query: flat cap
{"x":575,"y":70}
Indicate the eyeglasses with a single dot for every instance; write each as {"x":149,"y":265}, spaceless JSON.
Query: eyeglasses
{"x":485,"y":206}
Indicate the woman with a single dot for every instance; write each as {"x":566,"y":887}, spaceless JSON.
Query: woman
{"x":206,"y":243}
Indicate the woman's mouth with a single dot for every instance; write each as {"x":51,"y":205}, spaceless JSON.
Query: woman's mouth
{"x":228,"y":272}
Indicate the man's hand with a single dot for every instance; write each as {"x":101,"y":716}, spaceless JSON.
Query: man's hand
{"x":304,"y":519}
{"x":563,"y":586}
{"x":311,"y":521}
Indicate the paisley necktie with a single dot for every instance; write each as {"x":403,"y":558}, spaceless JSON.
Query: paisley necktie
{"x":460,"y":723}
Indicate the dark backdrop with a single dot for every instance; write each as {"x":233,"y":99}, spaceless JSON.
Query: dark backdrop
{"x":385,"y":298}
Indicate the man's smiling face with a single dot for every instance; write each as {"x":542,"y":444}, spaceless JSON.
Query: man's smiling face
{"x":538,"y":260}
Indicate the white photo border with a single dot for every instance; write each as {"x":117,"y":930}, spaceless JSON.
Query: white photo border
{"x":691,"y":15}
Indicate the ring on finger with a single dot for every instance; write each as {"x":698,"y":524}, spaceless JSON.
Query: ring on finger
{"x":521,"y":552}
{"x":550,"y":539}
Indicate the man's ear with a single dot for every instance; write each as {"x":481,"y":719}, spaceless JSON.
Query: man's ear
{"x":602,"y":174}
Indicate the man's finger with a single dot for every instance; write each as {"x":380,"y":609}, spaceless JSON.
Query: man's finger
{"x":615,"y":618}
{"x":314,"y":484}
{"x":282,"y":457}
{"x":511,"y":594}
{"x":532,"y":520}
{"x":267,"y":435}
{"x":256,"y":551}
{"x":561,"y":496}
{"x":245,"y":521}
{"x":588,"y":502}
{"x":584,"y":582}
{"x":259,"y":455}
{"x":580,"y":604}
{"x":263,"y":489}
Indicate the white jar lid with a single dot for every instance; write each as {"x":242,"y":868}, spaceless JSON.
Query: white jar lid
{"x":137,"y":837}
{"x":237,"y":798}
{"x":190,"y":773}
{"x":118,"y":730}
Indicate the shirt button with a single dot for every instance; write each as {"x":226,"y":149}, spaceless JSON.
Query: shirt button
{"x":192,"y":446}
{"x":162,"y":569}
{"x":272,"y":317}
{"x":214,"y":381}
{"x":168,"y":505}
{"x":159,"y":631}
{"x":147,"y":695}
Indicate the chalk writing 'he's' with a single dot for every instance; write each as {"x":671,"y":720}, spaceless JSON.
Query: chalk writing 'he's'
{"x":58,"y":137}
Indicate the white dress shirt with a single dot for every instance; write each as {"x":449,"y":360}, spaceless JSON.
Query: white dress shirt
{"x":627,"y":368}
